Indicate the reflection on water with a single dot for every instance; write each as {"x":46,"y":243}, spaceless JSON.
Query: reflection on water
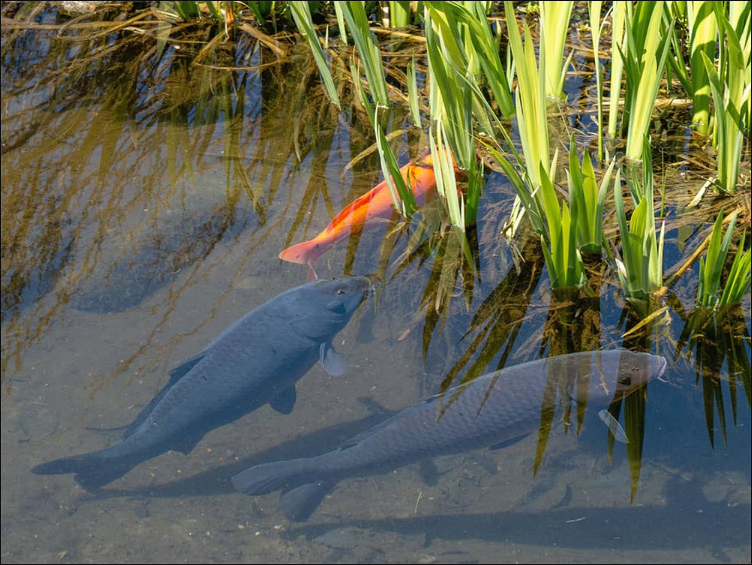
{"x":145,"y":199}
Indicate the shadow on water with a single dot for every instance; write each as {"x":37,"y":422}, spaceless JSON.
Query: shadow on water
{"x":563,"y":527}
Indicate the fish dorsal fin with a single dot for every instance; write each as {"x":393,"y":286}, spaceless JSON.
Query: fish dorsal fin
{"x":181,"y":370}
{"x":333,"y":364}
{"x":175,"y":375}
{"x":284,"y":402}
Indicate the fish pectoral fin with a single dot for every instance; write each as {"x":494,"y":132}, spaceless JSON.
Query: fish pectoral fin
{"x":613,"y":426}
{"x":311,"y":275}
{"x":299,"y":503}
{"x":333,"y":364}
{"x":284,"y":402}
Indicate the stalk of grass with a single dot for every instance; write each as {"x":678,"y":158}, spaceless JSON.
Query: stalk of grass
{"x":354,"y":15}
{"x":530,"y":99}
{"x":555,"y":18}
{"x":737,"y":284}
{"x":412,"y":93}
{"x":185,"y":10}
{"x":444,"y":172}
{"x":711,"y":268}
{"x":594,"y":10}
{"x":620,"y":10}
{"x":563,"y":260}
{"x":640,"y":267}
{"x":451,"y":99}
{"x":402,"y":194}
{"x":644,"y":60}
{"x":587,"y":200}
{"x":301,"y":14}
{"x":481,"y":44}
{"x":703,"y":39}
{"x":739,"y":21}
{"x":399,"y":14}
{"x":729,"y":91}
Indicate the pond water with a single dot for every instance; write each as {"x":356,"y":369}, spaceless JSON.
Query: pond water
{"x":145,"y":200}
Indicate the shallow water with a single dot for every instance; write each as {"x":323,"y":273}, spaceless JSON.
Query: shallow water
{"x":144,"y":207}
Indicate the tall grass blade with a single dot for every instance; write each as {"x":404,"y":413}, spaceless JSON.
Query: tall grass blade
{"x":302,"y":16}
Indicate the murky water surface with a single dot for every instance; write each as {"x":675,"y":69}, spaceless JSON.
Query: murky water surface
{"x":145,"y":200}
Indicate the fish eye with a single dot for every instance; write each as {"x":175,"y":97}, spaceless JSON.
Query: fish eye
{"x":625,"y":380}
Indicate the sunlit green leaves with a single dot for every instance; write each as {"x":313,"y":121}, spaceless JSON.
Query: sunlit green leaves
{"x":357,"y":24}
{"x":644,"y":60}
{"x":555,"y":18}
{"x":712,"y":266}
{"x":563,"y":260}
{"x":302,"y":16}
{"x":731,"y":93}
{"x":587,"y":200}
{"x":640,"y":267}
{"x":530,"y":99}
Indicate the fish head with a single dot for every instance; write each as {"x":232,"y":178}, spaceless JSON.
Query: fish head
{"x":615,"y":374}
{"x":327,"y":305}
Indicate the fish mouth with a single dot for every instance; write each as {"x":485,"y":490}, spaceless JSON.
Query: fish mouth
{"x":374,"y":283}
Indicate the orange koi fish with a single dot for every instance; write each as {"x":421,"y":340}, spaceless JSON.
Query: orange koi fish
{"x":376,"y":203}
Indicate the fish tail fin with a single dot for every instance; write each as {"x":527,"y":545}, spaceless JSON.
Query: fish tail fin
{"x":92,"y":471}
{"x":298,"y":501}
{"x":268,"y":477}
{"x":305,"y":252}
{"x":298,"y":504}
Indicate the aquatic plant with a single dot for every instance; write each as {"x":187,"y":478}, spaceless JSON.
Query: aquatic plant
{"x":731,"y":92}
{"x":713,"y":264}
{"x":587,"y":200}
{"x":644,"y":59}
{"x":596,"y":27}
{"x":563,"y":260}
{"x":554,"y":18}
{"x":302,"y":16}
{"x":530,"y":97}
{"x":640,"y":264}
{"x":703,"y":40}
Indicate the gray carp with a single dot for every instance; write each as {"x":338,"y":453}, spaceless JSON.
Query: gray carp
{"x":256,"y":360}
{"x":490,"y":410}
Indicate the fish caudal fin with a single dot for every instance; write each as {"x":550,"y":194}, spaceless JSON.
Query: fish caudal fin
{"x":92,"y":471}
{"x":303,"y":492}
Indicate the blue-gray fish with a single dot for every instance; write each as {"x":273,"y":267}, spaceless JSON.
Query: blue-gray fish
{"x":256,"y":360}
{"x":491,"y":410}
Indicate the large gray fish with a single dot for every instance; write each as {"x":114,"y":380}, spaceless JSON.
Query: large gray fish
{"x":490,"y":410}
{"x":256,"y":360}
